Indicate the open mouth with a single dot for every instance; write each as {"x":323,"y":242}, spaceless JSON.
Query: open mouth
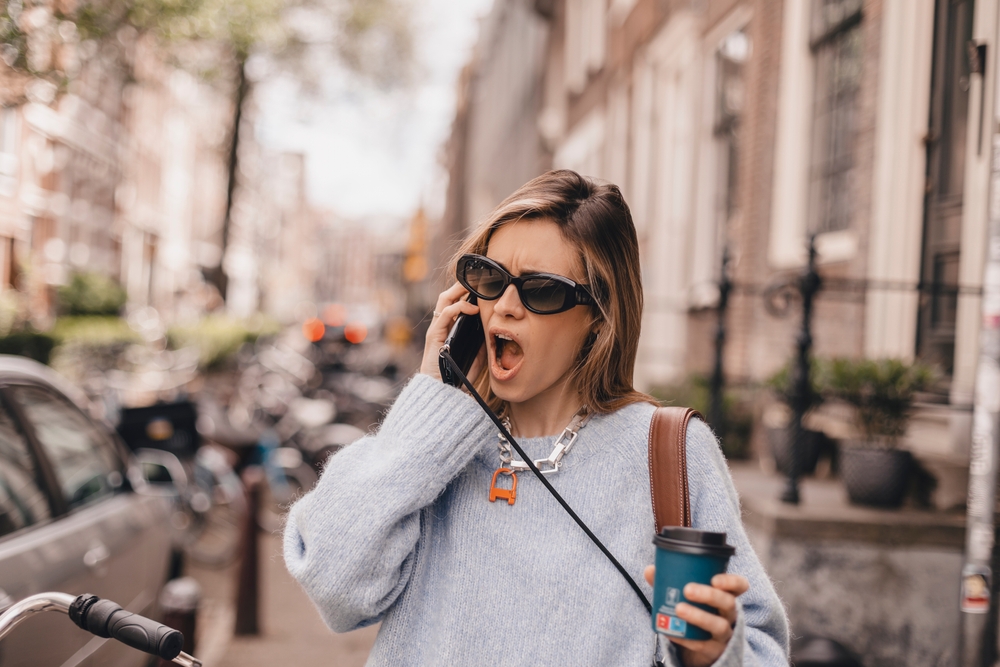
{"x":507,"y":356}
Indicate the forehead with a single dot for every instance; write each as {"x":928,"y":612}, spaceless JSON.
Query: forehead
{"x":535,"y":246}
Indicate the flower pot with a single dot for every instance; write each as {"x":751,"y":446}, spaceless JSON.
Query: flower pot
{"x":875,"y":476}
{"x":810,"y":447}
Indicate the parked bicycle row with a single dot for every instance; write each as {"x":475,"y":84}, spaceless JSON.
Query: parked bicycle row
{"x":87,"y":481}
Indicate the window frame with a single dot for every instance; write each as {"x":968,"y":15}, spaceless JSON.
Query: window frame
{"x":44,"y":473}
{"x":58,"y":504}
{"x":819,"y":205}
{"x":789,"y":217}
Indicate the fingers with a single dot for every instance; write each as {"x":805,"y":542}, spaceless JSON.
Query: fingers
{"x":694,"y":653}
{"x":649,"y":573}
{"x":722,"y":600}
{"x":449,"y":306}
{"x":446,"y":317}
{"x":734,"y":583}
{"x":449,"y":296}
{"x":720,"y":628}
{"x":721,"y":595}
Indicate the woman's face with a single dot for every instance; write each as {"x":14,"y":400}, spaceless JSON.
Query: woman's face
{"x":531,"y":355}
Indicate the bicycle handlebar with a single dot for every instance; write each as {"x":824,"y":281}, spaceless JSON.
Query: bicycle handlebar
{"x":104,"y":618}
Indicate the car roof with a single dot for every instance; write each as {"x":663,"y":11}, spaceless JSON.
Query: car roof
{"x":22,"y":368}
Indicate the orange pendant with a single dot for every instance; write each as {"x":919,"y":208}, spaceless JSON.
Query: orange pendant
{"x":510,"y":495}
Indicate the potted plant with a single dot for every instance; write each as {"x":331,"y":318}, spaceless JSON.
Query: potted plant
{"x":778,"y":420}
{"x":881,"y":392}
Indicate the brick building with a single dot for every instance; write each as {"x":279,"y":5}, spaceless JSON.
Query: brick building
{"x":124,"y":173}
{"x":752,"y":125}
{"x":58,"y":173}
{"x":171,"y":191}
{"x":119,"y":172}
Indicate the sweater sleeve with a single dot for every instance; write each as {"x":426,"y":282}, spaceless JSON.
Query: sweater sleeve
{"x":760,"y":637}
{"x":351,"y":541}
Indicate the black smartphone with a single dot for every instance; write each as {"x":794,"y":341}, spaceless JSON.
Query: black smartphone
{"x":463,"y":343}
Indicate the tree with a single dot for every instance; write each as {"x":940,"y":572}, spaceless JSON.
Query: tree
{"x":48,"y":41}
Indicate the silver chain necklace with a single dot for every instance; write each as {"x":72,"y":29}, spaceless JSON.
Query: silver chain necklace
{"x":551,"y":464}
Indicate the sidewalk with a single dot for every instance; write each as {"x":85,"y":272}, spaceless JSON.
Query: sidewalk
{"x":292,"y":632}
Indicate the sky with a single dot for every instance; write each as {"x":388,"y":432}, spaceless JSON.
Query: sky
{"x":371,"y":154}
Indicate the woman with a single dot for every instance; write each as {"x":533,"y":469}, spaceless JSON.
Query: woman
{"x":400,"y":529}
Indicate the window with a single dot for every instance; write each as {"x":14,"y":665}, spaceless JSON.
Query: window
{"x":835,"y":40}
{"x":8,"y":151}
{"x":22,"y":502}
{"x":84,"y":460}
{"x":942,"y":238}
{"x":8,"y":131}
{"x":586,"y":41}
{"x":727,"y":49}
{"x":730,"y":58}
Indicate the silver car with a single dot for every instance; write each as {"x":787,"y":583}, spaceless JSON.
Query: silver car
{"x":71,"y":520}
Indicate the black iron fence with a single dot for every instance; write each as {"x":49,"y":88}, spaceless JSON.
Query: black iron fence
{"x":783,"y":298}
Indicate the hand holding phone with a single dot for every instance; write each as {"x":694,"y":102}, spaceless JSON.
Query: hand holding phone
{"x":451,"y":304}
{"x":464,"y":342}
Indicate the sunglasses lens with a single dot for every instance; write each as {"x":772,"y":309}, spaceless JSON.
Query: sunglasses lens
{"x":544,"y":294}
{"x":483,"y":279}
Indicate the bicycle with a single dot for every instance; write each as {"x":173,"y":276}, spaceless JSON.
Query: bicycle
{"x":103,"y":618}
{"x":210,"y":501}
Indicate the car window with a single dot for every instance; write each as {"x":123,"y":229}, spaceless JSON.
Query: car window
{"x":22,"y":502}
{"x":84,"y":462}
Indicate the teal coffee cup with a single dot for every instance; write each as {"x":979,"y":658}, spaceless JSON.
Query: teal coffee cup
{"x":683,"y":556}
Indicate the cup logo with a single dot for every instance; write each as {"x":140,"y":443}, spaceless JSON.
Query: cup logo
{"x":671,"y":625}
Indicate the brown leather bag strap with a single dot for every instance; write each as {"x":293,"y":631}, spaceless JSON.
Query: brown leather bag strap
{"x":668,"y":480}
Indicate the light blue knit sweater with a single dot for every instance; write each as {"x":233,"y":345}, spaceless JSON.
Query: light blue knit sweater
{"x":399,"y":529}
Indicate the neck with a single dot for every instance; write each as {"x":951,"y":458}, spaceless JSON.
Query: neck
{"x":545,"y":414}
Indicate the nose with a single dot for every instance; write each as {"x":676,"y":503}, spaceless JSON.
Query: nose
{"x":509,"y":303}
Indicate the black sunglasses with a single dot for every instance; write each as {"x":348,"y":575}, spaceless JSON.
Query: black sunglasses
{"x":542,"y":293}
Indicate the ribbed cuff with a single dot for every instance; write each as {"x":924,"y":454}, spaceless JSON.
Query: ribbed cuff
{"x":733,"y":655}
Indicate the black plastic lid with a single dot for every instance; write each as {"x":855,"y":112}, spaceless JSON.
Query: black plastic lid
{"x":692,"y":541}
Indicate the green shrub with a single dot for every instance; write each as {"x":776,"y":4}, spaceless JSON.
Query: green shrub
{"x":783,"y":386}
{"x":94,"y":330}
{"x":90,"y":294}
{"x":218,"y":338}
{"x":881,"y":391}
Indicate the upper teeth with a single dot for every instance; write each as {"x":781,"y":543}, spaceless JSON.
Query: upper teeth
{"x":504,"y":336}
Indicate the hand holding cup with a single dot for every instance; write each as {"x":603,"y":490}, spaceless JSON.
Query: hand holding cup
{"x":721,"y":595}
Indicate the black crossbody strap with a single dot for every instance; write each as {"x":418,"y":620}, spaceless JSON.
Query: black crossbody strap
{"x":545,"y":482}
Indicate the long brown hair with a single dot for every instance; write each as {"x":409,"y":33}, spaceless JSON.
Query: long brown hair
{"x":596,"y":220}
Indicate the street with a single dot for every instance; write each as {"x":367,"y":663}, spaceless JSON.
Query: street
{"x":292,"y":632}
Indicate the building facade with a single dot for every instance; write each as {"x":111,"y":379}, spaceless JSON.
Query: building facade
{"x":496,"y":142}
{"x":125,"y":173}
{"x":749,"y":127}
{"x":120,"y":172}
{"x":171,"y":191}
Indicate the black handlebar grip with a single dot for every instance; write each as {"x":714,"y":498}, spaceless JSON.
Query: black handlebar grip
{"x":104,"y":618}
